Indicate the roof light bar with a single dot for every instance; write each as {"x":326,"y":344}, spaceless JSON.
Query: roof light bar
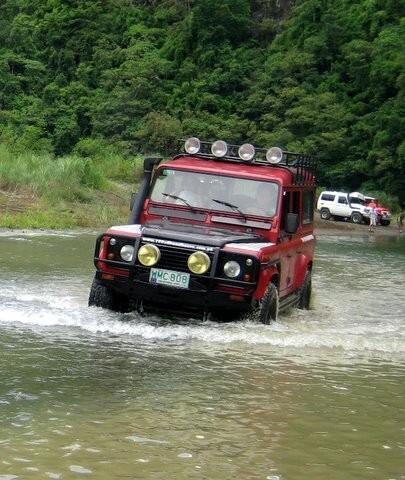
{"x":246,"y":152}
{"x":303,"y":166}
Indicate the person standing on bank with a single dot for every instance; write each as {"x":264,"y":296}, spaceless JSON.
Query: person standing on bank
{"x":373,"y":217}
{"x":400,"y":221}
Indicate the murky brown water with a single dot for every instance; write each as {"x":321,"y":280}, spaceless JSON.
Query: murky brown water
{"x":88,"y":393}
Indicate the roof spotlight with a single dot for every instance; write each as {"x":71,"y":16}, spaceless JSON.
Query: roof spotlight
{"x":192,"y":145}
{"x":246,"y":152}
{"x":219,"y":148}
{"x":274,"y":155}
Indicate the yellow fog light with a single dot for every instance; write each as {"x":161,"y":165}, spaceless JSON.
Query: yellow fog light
{"x":199,"y":262}
{"x":148,"y":255}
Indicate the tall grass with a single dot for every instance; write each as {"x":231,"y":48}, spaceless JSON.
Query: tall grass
{"x":42,"y":175}
{"x":65,"y":178}
{"x":109,"y":161}
{"x":60,"y":188}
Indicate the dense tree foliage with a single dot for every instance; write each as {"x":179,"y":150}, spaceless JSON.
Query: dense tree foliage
{"x":322,"y":76}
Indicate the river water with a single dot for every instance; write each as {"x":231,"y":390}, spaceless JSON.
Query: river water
{"x":89,"y":393}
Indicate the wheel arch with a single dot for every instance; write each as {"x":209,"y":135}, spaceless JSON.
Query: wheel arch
{"x":268,"y":274}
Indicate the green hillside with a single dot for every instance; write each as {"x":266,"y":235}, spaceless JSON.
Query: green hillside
{"x":326,"y":77}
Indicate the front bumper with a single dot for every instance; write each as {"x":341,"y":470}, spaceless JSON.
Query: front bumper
{"x":199,"y":297}
{"x":209,"y":291}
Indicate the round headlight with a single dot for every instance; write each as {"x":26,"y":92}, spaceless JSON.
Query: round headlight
{"x":246,"y":152}
{"x":199,"y":262}
{"x":232,"y":269}
{"x":219,"y":148}
{"x":192,"y":145}
{"x":127,"y":253}
{"x":148,"y":255}
{"x":274,"y":155}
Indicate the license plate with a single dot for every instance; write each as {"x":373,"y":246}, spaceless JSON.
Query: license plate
{"x":169,"y":277}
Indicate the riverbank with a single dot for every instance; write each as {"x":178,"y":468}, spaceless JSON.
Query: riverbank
{"x":322,"y":228}
{"x":332,"y":227}
{"x":88,"y":188}
{"x":20,"y":209}
{"x":23,"y":211}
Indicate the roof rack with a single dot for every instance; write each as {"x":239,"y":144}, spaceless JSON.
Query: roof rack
{"x":301,"y":165}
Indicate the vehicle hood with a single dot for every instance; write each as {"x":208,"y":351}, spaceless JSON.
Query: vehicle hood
{"x":201,"y":234}
{"x":358,"y":195}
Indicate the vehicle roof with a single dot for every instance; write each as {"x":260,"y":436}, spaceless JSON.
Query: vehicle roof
{"x":357,"y":195}
{"x":257,"y":172}
{"x":351,"y":194}
{"x":335,"y":192}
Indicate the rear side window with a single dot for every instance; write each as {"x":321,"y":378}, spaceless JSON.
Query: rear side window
{"x":342,"y":200}
{"x":328,"y":197}
{"x":308,"y":207}
{"x":292,"y":204}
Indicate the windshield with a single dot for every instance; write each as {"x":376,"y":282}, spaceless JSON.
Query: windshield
{"x":213,"y":192}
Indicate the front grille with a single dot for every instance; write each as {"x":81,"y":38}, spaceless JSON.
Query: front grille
{"x":175,"y":257}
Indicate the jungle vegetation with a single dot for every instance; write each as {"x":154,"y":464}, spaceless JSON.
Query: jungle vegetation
{"x":86,"y":79}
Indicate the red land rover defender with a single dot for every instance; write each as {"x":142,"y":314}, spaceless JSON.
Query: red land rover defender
{"x":219,"y":231}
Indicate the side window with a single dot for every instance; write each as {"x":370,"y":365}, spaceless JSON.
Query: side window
{"x":296,"y":196}
{"x":291,"y":204}
{"x":308,"y":207}
{"x":342,"y":200}
{"x":327,"y":197}
{"x":286,"y":208}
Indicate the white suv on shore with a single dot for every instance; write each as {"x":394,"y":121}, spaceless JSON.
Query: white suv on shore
{"x":341,"y":205}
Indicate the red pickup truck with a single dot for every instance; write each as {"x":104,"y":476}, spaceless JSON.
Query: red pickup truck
{"x":383,"y":214}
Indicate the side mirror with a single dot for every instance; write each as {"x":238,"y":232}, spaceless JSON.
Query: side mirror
{"x":292,"y":223}
{"x":132,"y":201}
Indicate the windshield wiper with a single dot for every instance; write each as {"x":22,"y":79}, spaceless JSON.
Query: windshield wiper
{"x":235,"y":208}
{"x":175,"y":197}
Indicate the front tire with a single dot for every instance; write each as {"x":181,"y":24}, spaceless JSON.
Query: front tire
{"x":357,"y":218}
{"x":104,"y":297}
{"x":267,"y":311}
{"x":304,"y":299}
